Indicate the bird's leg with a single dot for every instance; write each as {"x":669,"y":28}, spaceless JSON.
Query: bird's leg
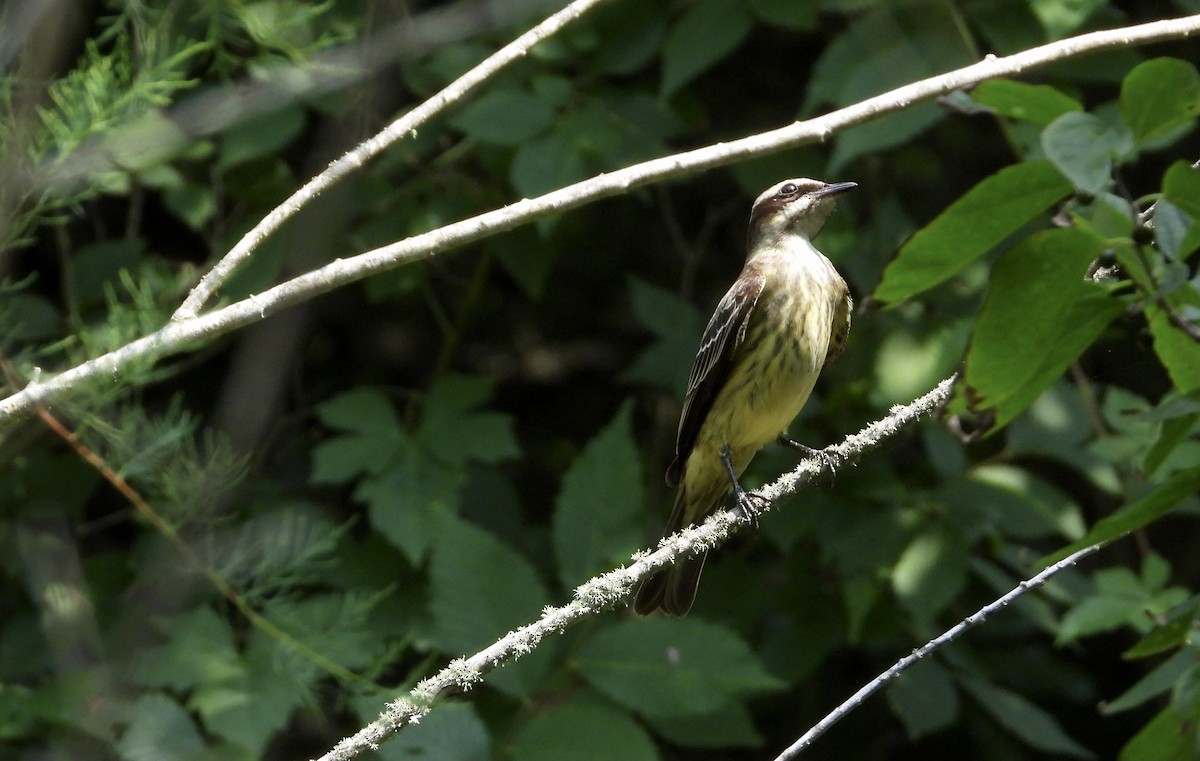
{"x":743,"y":500}
{"x":826,"y":458}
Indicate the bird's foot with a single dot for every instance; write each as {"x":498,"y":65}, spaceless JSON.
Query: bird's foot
{"x":749,"y":505}
{"x":828,"y":462}
{"x":746,"y":504}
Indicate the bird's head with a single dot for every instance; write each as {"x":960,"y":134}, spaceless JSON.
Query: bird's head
{"x":794,"y":207}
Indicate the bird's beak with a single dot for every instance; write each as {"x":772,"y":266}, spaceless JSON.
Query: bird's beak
{"x":835,"y":188}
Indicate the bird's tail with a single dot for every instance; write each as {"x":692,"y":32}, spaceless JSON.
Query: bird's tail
{"x":673,"y":589}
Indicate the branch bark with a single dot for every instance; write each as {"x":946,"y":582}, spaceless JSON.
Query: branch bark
{"x":368,"y":149}
{"x":184,"y":333}
{"x":945,"y":638}
{"x":609,"y":589}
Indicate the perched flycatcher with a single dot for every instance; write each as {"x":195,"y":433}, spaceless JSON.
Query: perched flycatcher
{"x":783,"y":319}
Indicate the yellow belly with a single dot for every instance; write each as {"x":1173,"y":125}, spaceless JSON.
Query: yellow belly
{"x":766,"y":390}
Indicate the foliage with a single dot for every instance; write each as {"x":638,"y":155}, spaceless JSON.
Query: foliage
{"x":355,"y":491}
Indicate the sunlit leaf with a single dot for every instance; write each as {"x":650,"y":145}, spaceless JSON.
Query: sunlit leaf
{"x":1159,"y":501}
{"x":1039,"y":104}
{"x":1039,"y":315}
{"x":1158,"y":96}
{"x":970,"y":227}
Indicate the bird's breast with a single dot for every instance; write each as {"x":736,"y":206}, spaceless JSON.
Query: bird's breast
{"x":775,"y":367}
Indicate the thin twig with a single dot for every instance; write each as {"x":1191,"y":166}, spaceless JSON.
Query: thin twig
{"x":193,"y":558}
{"x":946,"y":637}
{"x":177,"y":336}
{"x":356,"y":158}
{"x":614,"y":587}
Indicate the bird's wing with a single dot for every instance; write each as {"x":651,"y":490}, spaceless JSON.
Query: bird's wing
{"x":725,"y":331}
{"x":841,"y":327}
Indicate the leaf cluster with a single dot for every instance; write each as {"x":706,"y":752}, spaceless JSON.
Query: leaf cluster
{"x":352,"y":493}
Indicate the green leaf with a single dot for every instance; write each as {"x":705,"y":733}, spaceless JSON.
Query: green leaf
{"x":1159,"y":96}
{"x":479,"y":587}
{"x":455,"y":434}
{"x":924,"y":699}
{"x":583,"y":731}
{"x":1105,"y":610}
{"x":861,"y":594}
{"x":906,"y":42}
{"x":31,"y":317}
{"x":1169,"y":636}
{"x":1022,"y":718}
{"x":147,"y":142}
{"x":1173,"y":434}
{"x":1062,"y":17}
{"x":96,"y":267}
{"x":1039,"y":315}
{"x":1174,"y":231}
{"x":258,"y":137}
{"x":505,"y":117}
{"x":889,"y":45}
{"x":931,"y":573}
{"x":887,"y":131}
{"x":160,"y":730}
{"x":193,"y":204}
{"x":1083,"y":147}
{"x":451,"y":732}
{"x":1009,"y":501}
{"x":1185,"y":696}
{"x":405,"y":500}
{"x":630,"y":36}
{"x":706,"y":33}
{"x":373,"y":436}
{"x":1106,"y":215}
{"x":973,"y":225}
{"x":198,"y":649}
{"x":362,"y":410}
{"x":527,"y":258}
{"x":1038,"y":104}
{"x":598,"y":511}
{"x":1158,"y":502}
{"x":1178,"y":350}
{"x":677,"y":325}
{"x":252,"y":709}
{"x":1181,"y":185}
{"x":547,"y":163}
{"x":331,"y":623}
{"x":1133,"y":431}
{"x":1169,"y":736}
{"x":672,"y":668}
{"x":785,"y":13}
{"x":729,"y":726}
{"x":1181,"y":205}
{"x":1160,"y":679}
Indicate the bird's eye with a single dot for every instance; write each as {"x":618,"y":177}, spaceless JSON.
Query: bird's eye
{"x":788,"y":190}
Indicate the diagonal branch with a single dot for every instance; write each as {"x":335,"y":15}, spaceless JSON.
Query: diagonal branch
{"x":612,"y":588}
{"x":353,"y":160}
{"x":178,"y":336}
{"x":944,"y":638}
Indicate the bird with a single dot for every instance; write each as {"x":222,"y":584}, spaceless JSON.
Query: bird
{"x":785,"y":317}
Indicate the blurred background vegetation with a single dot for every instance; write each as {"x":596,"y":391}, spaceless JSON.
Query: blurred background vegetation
{"x":331,"y":504}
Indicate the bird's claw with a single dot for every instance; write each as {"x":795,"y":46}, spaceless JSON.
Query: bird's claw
{"x":749,"y":505}
{"x":828,"y":461}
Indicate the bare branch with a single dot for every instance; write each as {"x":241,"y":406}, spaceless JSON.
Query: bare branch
{"x":179,"y":335}
{"x":614,"y":587}
{"x":946,"y":637}
{"x":347,"y":164}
